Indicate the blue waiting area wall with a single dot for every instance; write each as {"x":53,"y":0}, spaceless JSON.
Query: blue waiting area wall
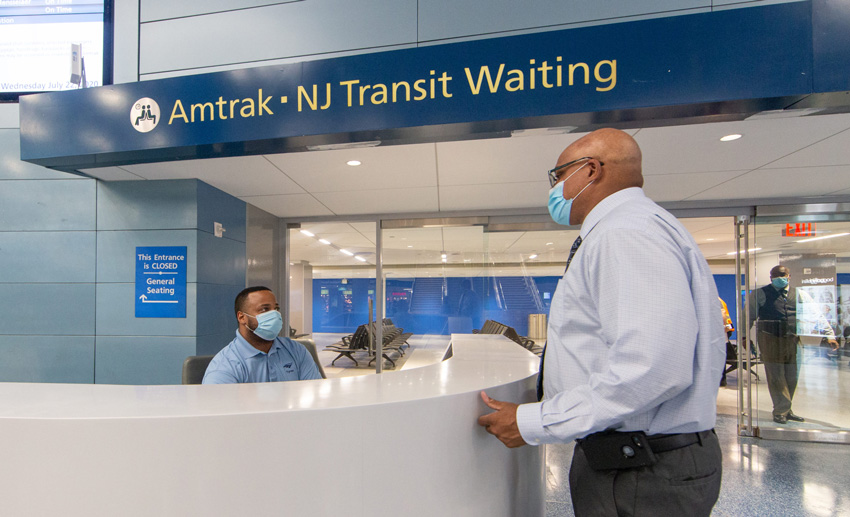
{"x":442,"y":305}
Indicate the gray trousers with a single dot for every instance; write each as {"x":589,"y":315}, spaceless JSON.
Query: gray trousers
{"x":684,"y":481}
{"x":782,"y":367}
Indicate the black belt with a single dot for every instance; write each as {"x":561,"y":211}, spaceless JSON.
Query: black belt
{"x":671,"y":442}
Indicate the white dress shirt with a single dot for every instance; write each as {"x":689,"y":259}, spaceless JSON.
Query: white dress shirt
{"x":633,"y":339}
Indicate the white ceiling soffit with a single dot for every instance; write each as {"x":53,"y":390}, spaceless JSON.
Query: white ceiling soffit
{"x":784,"y":157}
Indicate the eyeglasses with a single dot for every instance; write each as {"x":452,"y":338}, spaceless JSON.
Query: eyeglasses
{"x":555,"y":175}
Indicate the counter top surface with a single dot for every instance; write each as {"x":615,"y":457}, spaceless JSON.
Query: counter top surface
{"x":478,"y":362}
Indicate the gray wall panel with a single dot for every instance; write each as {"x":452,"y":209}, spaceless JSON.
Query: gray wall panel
{"x":163,"y":9}
{"x":47,"y":205}
{"x":66,"y":359}
{"x":10,"y":116}
{"x":141,"y":360}
{"x":46,"y":257}
{"x":261,"y":248}
{"x":47,"y":309}
{"x":147,"y":205}
{"x":116,"y":314}
{"x":220,"y":261}
{"x":126,"y":44}
{"x":286,"y":30}
{"x":442,"y":19}
{"x":213,"y":343}
{"x":116,"y":252}
{"x":215,"y":309}
{"x":11,"y":166}
{"x":745,"y":3}
{"x":215,"y":206}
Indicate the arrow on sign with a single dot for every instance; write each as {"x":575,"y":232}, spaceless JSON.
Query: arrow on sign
{"x":145,"y":300}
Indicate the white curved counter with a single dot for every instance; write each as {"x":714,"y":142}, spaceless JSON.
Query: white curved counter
{"x":404,"y":443}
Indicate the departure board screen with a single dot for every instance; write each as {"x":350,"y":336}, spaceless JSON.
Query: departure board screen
{"x":41,"y":39}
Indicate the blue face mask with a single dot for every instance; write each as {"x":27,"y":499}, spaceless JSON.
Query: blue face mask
{"x":560,"y":208}
{"x":780,"y":282}
{"x":269,"y":325}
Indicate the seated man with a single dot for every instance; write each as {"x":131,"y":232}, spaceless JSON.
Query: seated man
{"x":258,"y":354}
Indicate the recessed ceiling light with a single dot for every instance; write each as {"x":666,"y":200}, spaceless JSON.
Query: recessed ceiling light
{"x":729,"y":138}
{"x":444,"y":259}
{"x":533,"y":256}
{"x":324,"y":241}
{"x":410,"y":246}
{"x":709,"y":239}
{"x":550,"y":243}
{"x":353,"y":163}
{"x":361,"y":259}
{"x":347,"y":253}
{"x":308,"y":234}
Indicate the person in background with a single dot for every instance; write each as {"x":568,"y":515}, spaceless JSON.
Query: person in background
{"x":634,"y":349}
{"x":774,"y":311}
{"x":469,"y":304}
{"x":258,"y":354}
{"x":731,"y":352}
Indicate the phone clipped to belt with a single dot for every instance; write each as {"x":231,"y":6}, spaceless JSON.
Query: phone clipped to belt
{"x":617,"y":450}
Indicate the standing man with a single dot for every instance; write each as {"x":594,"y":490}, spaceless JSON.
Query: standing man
{"x":776,"y":336}
{"x":634,"y":349}
{"x":258,"y":354}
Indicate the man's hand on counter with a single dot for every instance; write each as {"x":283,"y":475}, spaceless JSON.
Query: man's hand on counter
{"x":501,"y":424}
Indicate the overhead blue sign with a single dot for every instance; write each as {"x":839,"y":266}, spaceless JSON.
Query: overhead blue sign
{"x":161,"y":282}
{"x":565,"y":77}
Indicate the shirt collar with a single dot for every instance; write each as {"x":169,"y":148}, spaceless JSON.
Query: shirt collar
{"x":246,"y":350}
{"x":608,"y":204}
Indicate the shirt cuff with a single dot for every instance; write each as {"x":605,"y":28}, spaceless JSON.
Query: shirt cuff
{"x":530,"y":423}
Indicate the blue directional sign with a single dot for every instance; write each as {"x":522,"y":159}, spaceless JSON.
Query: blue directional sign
{"x":161,"y":282}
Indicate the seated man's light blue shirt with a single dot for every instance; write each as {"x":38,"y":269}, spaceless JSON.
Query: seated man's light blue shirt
{"x":240,"y":362}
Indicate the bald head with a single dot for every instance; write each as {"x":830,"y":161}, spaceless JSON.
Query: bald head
{"x":615,"y":165}
{"x":616,"y":149}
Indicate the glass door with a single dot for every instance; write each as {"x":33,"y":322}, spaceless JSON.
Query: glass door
{"x":332,"y":293}
{"x":798,"y":332}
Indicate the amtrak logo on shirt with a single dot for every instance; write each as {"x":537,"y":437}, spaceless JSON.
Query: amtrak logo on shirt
{"x":287,"y":365}
{"x":144,"y":115}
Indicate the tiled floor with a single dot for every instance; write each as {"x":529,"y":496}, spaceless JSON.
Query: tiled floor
{"x":760,"y":477}
{"x":764,"y":477}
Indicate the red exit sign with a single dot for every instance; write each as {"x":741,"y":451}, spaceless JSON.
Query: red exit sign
{"x":799,"y":230}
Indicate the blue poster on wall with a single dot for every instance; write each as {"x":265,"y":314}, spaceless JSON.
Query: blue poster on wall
{"x":161,"y":282}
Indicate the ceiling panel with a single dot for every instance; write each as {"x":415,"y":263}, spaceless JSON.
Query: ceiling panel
{"x":242,"y":176}
{"x":331,"y":227}
{"x":414,"y":239}
{"x":542,"y":243}
{"x":831,"y":151}
{"x":111,"y":174}
{"x":488,"y":196}
{"x":793,"y":182}
{"x":697,"y":148}
{"x":381,"y":168}
{"x":678,"y":187}
{"x":293,"y":205}
{"x":383,"y":201}
{"x":500,"y":160}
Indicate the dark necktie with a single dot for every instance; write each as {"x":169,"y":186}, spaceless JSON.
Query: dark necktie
{"x":573,"y":250}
